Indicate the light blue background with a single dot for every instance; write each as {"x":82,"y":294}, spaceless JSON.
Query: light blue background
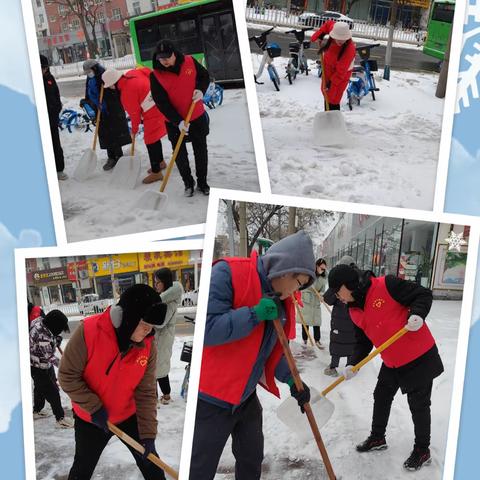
{"x":26,"y":221}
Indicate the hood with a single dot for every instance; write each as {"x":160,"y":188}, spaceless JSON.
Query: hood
{"x":360,"y":293}
{"x":346,"y":260}
{"x":292,"y":254}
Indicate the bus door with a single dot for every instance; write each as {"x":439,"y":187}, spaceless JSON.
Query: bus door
{"x":222,"y":54}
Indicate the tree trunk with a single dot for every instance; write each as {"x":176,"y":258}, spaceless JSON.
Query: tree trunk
{"x":292,"y":217}
{"x":243,"y":229}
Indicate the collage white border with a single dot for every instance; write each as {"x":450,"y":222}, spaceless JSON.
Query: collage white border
{"x":465,"y":318}
{"x":23,"y":343}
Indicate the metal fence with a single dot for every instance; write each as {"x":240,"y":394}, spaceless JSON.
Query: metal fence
{"x":361,"y":28}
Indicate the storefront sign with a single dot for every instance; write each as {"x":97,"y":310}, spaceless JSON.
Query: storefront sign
{"x":150,"y":261}
{"x":122,"y":263}
{"x":77,"y":270}
{"x":53,"y":275}
{"x":416,"y":3}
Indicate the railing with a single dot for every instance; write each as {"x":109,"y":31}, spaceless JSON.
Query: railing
{"x":72,"y":309}
{"x":361,"y":28}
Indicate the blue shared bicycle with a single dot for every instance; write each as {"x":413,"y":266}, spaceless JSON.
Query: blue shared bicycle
{"x":270,"y":52}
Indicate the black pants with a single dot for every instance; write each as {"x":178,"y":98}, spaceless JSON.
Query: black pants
{"x":164,"y":384}
{"x":213,"y":426}
{"x":197,"y":135}
{"x":57,"y":146}
{"x":418,"y":401}
{"x":155,"y":154}
{"x":316,"y":333}
{"x":332,"y":106}
{"x":45,"y":388}
{"x":90,"y":442}
{"x":115,"y":152}
{"x":336,"y":360}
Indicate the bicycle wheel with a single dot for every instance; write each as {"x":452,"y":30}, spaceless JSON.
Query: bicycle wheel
{"x":350,"y":106}
{"x":276,"y":83}
{"x":274,"y":77}
{"x":289,"y":78}
{"x":372,"y":82}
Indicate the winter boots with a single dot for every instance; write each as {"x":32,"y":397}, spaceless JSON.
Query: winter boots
{"x":332,"y":372}
{"x":62,"y":176}
{"x":64,"y":423}
{"x":164,"y":399}
{"x":111,"y":162}
{"x":189,"y":189}
{"x":153,"y":177}
{"x":40,"y":414}
{"x":417,"y":459}
{"x":204,"y":188}
{"x":372,"y":443}
{"x":319,"y":345}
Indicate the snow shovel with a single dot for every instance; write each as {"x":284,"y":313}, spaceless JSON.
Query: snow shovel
{"x":326,"y":305}
{"x":139,"y":448}
{"x":308,"y":409}
{"x":88,"y":162}
{"x":152,"y":200}
{"x":302,"y":319}
{"x":329,"y":126}
{"x":127,"y":170}
{"x":324,"y":408}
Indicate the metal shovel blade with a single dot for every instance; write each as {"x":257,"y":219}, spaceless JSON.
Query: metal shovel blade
{"x":86,"y":166}
{"x":289,"y":413}
{"x":329,"y":129}
{"x":152,"y":200}
{"x":126,"y":172}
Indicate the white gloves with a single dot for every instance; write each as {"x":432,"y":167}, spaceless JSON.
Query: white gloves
{"x":197,"y":95}
{"x":183,"y":126}
{"x":414,"y":323}
{"x":348,"y":372}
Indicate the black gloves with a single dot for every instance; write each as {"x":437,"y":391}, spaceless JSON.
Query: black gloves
{"x":99,"y":418}
{"x":301,"y":397}
{"x":149,"y":446}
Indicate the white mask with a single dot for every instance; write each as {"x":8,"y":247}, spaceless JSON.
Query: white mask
{"x":90,"y":74}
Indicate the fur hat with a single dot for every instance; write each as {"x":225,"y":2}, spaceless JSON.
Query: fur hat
{"x":56,"y":321}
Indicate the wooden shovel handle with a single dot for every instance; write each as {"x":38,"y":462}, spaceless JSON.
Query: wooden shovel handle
{"x":373,"y":354}
{"x":302,"y":319}
{"x":132,"y":148}
{"x":327,"y":306}
{"x":177,"y":148}
{"x":139,"y":448}
{"x":97,"y":121}
{"x":308,"y":409}
{"x":322,"y":62}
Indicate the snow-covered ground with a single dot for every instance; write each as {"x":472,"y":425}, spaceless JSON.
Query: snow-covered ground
{"x":94,"y":209}
{"x":55,"y":448}
{"x":288,"y":458}
{"x":393,"y":158}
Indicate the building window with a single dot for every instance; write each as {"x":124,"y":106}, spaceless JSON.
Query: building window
{"x":65,"y":27}
{"x":136,"y":8}
{"x":39,"y":3}
{"x":154,"y":4}
{"x":45,"y":263}
{"x":53,"y":18}
{"x":62,"y":10}
{"x":41,"y":18}
{"x":101,"y":17}
{"x":75,"y":24}
{"x":116,"y":14}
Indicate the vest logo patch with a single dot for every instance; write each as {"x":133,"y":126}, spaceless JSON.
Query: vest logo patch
{"x":142,"y":360}
{"x":189,"y":71}
{"x":378,"y":303}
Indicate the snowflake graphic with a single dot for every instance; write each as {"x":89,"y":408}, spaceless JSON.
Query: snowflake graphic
{"x":468,"y":89}
{"x":455,"y":241}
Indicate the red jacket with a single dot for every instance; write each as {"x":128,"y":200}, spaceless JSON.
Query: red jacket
{"x":337,"y":71}
{"x":382,"y":317}
{"x":112,"y":378}
{"x":137,"y":101}
{"x":34,"y":313}
{"x":227,"y":368}
{"x":180,"y":88}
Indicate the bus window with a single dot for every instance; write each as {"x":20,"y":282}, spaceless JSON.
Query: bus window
{"x":188,"y":40}
{"x":167,"y":31}
{"x":147,"y":37}
{"x":443,"y":12}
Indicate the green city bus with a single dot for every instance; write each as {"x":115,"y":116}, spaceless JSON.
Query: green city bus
{"x":439,"y":27}
{"x":204,"y":29}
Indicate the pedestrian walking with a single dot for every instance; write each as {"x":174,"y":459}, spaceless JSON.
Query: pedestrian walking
{"x":54,"y":107}
{"x":380,"y":307}
{"x":312,"y":305}
{"x":241,"y":350}
{"x":171,"y":294}
{"x":108,"y":371}
{"x":136,"y":98}
{"x":44,"y":339}
{"x":113,"y":132}
{"x":338,"y":59}
{"x":177,"y":81}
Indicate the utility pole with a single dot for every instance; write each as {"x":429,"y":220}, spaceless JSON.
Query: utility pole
{"x":243,"y":229}
{"x":391,"y":30}
{"x":107,"y":26}
{"x":231,"y":232}
{"x":112,"y":279}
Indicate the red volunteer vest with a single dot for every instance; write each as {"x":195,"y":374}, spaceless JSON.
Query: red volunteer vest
{"x":227,"y":368}
{"x":112,"y":378}
{"x":34,"y":313}
{"x":180,"y":88}
{"x":382,"y":317}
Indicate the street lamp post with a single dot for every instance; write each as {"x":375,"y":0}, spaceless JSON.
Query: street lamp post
{"x":107,"y":26}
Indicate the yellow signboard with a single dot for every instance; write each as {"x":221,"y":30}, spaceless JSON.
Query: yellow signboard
{"x":416,"y":3}
{"x":150,"y":261}
{"x":122,"y":263}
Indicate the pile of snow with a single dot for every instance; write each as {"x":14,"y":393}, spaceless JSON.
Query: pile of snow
{"x":395,"y":148}
{"x":55,"y":448}
{"x":288,"y":458}
{"x":94,"y":209}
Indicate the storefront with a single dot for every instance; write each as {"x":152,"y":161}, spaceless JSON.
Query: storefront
{"x":410,"y":249}
{"x":50,"y":286}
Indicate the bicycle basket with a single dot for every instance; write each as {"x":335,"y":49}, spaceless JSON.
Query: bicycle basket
{"x":293,"y":47}
{"x":186,"y":355}
{"x":306,"y":44}
{"x":274,"y":50}
{"x":364,"y":53}
{"x":373,"y":65}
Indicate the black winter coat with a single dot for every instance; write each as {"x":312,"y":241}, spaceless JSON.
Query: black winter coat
{"x":52,"y":95}
{"x":342,"y":329}
{"x":113,"y":130}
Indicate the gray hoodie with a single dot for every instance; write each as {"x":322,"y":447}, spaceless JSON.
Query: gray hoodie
{"x":292,"y":254}
{"x":346,"y":260}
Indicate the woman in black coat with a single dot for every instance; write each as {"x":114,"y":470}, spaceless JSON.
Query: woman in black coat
{"x":113,"y":131}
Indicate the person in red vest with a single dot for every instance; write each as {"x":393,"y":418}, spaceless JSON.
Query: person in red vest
{"x":108,"y":371}
{"x":34,"y":311}
{"x":177,"y":81}
{"x":380,"y":307}
{"x":241,"y":350}
{"x":338,"y":58}
{"x":136,"y":99}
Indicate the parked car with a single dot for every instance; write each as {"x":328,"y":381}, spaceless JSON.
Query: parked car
{"x":189,"y":299}
{"x":91,"y":303}
{"x":317,"y":19}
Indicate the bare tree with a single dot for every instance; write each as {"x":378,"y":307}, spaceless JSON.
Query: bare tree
{"x":88,"y":14}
